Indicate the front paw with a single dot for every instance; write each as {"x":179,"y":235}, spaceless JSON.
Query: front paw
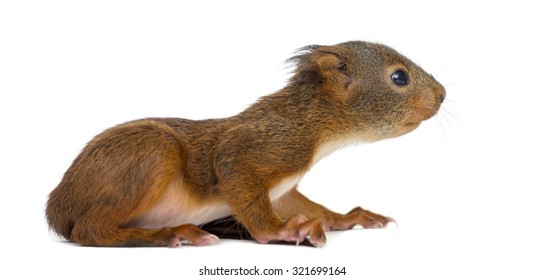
{"x":296,"y":229}
{"x":368,"y":219}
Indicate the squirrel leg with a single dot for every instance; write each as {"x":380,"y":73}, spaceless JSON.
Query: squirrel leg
{"x":108,"y":235}
{"x":296,"y":203}
{"x":255,"y":212}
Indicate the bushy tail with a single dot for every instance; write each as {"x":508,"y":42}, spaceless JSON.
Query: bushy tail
{"x":56,"y":215}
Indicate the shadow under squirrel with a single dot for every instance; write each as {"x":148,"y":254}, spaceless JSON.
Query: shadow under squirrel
{"x":161,"y":181}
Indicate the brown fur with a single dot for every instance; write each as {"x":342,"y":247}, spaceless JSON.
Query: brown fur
{"x":150,"y":171}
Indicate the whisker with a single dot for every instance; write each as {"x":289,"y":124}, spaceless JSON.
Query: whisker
{"x":452,"y":84}
{"x":451,"y":111}
{"x":455,"y":122}
{"x":452,"y":115}
{"x":442,"y":67}
{"x":444,"y":133}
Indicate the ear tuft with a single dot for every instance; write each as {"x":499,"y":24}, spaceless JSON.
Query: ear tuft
{"x":320,"y":58}
{"x":302,"y":55}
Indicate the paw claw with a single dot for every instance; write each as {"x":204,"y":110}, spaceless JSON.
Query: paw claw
{"x":391,"y":224}
{"x":317,"y":242}
{"x":209,"y":239}
{"x":297,"y":230}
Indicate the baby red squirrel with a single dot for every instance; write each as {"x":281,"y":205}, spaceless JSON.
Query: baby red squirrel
{"x":153,"y":182}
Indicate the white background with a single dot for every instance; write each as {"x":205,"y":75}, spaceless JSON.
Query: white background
{"x":465,"y":187}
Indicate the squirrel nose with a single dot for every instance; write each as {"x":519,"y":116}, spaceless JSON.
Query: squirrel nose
{"x":441,"y":93}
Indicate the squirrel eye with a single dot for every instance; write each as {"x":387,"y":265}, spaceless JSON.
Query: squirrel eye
{"x":400,"y":78}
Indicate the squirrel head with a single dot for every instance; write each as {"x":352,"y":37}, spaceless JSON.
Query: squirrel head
{"x":369,"y":86}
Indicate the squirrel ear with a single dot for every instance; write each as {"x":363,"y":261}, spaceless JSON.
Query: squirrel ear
{"x":328,"y":58}
{"x":330,"y":62}
{"x":325,"y":63}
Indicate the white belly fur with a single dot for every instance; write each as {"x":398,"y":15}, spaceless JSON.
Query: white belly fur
{"x":177,"y":207}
